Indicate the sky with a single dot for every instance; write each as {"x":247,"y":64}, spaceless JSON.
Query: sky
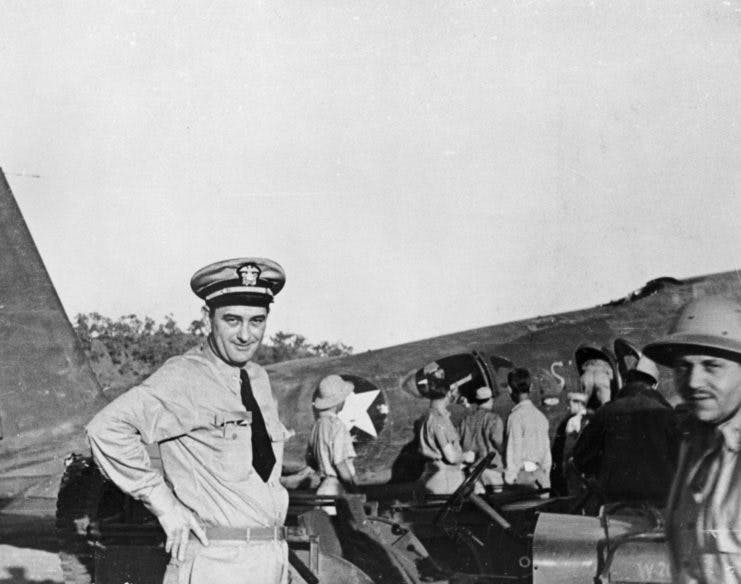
{"x":417,"y":168}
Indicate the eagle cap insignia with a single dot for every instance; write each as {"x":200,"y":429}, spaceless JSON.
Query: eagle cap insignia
{"x":249,"y":274}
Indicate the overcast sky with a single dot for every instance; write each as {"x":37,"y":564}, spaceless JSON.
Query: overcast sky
{"x":416,"y":167}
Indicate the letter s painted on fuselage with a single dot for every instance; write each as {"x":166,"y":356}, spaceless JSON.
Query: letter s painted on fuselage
{"x":561,"y":380}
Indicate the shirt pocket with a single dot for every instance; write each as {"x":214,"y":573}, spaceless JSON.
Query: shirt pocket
{"x":232,"y":434}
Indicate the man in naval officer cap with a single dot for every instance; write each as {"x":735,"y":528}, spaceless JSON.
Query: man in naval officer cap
{"x":212,"y":411}
{"x":704,"y":510}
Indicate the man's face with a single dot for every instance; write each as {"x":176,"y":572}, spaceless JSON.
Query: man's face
{"x":237,"y":332}
{"x":710,"y":385}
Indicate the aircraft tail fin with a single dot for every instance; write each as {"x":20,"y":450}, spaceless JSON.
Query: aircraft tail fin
{"x":47,"y":388}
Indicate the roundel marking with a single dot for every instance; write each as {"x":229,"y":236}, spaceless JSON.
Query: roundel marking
{"x":365,"y":410}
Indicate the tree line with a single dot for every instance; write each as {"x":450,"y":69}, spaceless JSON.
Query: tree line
{"x":124,"y":351}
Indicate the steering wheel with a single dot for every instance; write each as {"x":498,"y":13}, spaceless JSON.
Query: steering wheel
{"x":464,"y":491}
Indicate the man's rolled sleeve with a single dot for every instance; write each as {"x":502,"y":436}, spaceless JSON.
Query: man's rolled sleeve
{"x":117,"y":434}
{"x":342,"y":447}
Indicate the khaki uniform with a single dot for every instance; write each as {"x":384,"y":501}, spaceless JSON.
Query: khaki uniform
{"x":704,"y":511}
{"x":528,"y":452}
{"x":482,"y":432}
{"x":439,"y":477}
{"x":192,"y":407}
{"x":330,"y":444}
{"x":230,"y":562}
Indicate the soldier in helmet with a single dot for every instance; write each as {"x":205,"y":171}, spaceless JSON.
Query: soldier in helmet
{"x":704,"y":509}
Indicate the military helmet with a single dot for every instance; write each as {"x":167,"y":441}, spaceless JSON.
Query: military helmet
{"x":627,"y":356}
{"x":711,"y":324}
{"x":647,"y":366}
{"x":633,"y":364}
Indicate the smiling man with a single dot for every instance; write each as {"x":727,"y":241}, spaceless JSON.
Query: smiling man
{"x":704,"y":511}
{"x":212,"y":412}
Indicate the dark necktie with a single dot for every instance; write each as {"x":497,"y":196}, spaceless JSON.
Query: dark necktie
{"x":263,"y":458}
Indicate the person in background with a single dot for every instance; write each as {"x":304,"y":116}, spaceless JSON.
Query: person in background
{"x":330,"y":451}
{"x":630,"y":445}
{"x":597,"y":374}
{"x":482,"y":432}
{"x":568,"y":431}
{"x":439,"y":442}
{"x":528,"y":448}
{"x":703,"y":517}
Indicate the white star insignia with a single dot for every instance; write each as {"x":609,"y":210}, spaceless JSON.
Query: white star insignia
{"x":355,"y":411}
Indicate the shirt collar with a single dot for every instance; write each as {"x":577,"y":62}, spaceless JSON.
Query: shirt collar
{"x":227,"y":371}
{"x":523,"y":404}
{"x":731,"y":431}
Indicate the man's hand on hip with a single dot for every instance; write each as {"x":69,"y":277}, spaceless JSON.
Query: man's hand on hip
{"x":177,"y":525}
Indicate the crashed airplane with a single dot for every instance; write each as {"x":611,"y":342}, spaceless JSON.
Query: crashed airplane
{"x":388,"y":531}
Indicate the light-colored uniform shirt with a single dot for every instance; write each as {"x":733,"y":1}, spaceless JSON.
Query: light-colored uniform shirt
{"x":434,"y":433}
{"x":330,"y":444}
{"x":192,"y":407}
{"x":482,"y":431}
{"x":440,"y":477}
{"x":704,"y":510}
{"x":528,"y":442}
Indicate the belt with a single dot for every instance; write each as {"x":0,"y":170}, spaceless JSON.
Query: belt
{"x":276,"y":533}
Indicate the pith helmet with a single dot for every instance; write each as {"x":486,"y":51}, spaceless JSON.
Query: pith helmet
{"x":711,"y":324}
{"x":333,"y":390}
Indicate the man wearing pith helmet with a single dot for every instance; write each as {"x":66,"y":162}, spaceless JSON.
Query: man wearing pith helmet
{"x":330,"y":451}
{"x":212,"y":411}
{"x":704,"y":510}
